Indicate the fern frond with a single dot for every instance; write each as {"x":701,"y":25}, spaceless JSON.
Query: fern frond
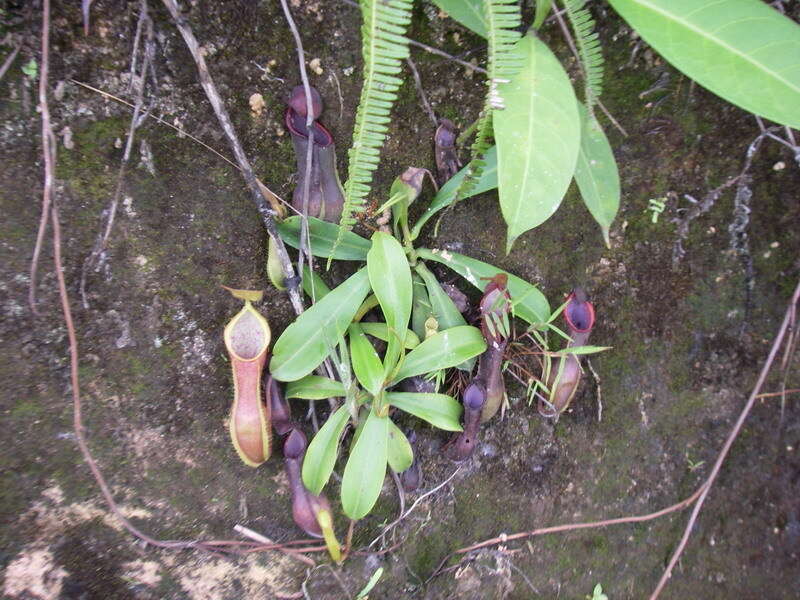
{"x":383,"y":47}
{"x":503,"y":18}
{"x":588,"y":48}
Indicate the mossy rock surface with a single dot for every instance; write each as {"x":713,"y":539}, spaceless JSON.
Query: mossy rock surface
{"x":688,"y":337}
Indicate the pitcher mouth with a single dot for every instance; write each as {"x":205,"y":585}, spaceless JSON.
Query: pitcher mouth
{"x":297,"y":125}
{"x":579,"y":312}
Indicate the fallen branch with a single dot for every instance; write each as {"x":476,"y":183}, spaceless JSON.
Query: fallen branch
{"x":9,"y":61}
{"x":263,"y":207}
{"x":697,"y":498}
{"x":48,"y":153}
{"x":706,"y":487}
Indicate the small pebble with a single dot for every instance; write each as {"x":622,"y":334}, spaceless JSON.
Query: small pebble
{"x":315,"y":65}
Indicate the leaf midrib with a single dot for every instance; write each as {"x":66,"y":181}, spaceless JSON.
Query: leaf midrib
{"x":705,"y":34}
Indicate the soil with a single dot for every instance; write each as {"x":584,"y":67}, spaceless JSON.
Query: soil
{"x":688,"y":336}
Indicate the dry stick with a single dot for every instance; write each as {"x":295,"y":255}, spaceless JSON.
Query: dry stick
{"x":241,"y":158}
{"x":571,"y":44}
{"x":102,"y":239}
{"x":699,"y":493}
{"x":9,"y":61}
{"x":48,"y":152}
{"x":421,"y":91}
{"x":776,"y":344}
{"x":449,"y":57}
{"x":503,"y":538}
{"x":253,"y":535}
{"x":412,"y":507}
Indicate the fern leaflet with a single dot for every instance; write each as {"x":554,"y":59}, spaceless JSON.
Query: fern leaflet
{"x":502,"y":17}
{"x":588,"y":49}
{"x":383,"y":47}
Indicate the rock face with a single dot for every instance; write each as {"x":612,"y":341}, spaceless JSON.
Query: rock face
{"x":687,"y":336}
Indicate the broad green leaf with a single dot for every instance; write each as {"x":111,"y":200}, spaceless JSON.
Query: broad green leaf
{"x":390,"y":278}
{"x":440,"y":410}
{"x":538,"y":135}
{"x":322,"y":237}
{"x":367,"y":364}
{"x":305,"y":343}
{"x":596,"y":173}
{"x":444,"y":310}
{"x":366,"y":468}
{"x":420,"y":306}
{"x":313,"y":285}
{"x":321,"y":454}
{"x":381,"y":331}
{"x":529,"y":303}
{"x":467,"y":12}
{"x":400,"y":455}
{"x":314,"y":387}
{"x":742,"y":50}
{"x":442,"y":350}
{"x":486,"y":181}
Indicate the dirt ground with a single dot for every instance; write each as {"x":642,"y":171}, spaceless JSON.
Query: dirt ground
{"x":688,"y":335}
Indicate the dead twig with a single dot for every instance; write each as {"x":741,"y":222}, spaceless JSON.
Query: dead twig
{"x":706,"y":487}
{"x":450,"y":57}
{"x":144,"y":23}
{"x":697,"y":498}
{"x":263,"y":207}
{"x":48,"y":153}
{"x":9,"y":61}
{"x":421,"y":92}
{"x":405,"y":514}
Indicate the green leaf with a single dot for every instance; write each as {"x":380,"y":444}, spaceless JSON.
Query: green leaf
{"x":420,"y":306}
{"x":366,"y":363}
{"x":322,"y":237}
{"x":742,"y":50}
{"x":274,"y":266}
{"x":467,"y":12}
{"x":30,"y":68}
{"x":314,"y":285}
{"x":314,"y":387}
{"x":390,"y":278}
{"x":362,"y":595}
{"x":442,"y":350}
{"x":542,"y":9}
{"x":305,"y":343}
{"x":487,"y":180}
{"x":582,"y":350}
{"x":366,"y":468}
{"x":538,"y":135}
{"x":381,"y":331}
{"x":444,"y":310}
{"x":400,"y":454}
{"x":321,"y":454}
{"x":440,"y":410}
{"x":529,"y":303}
{"x":596,"y":173}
